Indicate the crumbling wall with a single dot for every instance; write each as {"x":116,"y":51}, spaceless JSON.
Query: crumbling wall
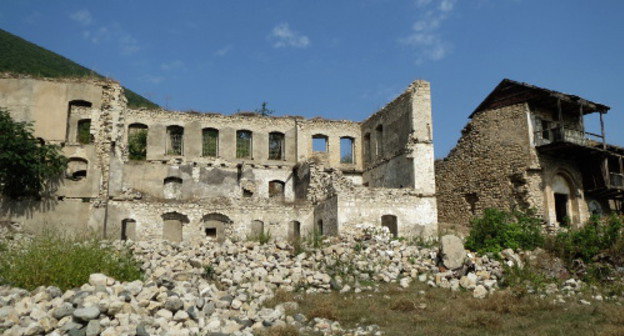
{"x":334,"y":130}
{"x":277,"y":218}
{"x":399,"y":142}
{"x":416,"y":214}
{"x":493,"y":165}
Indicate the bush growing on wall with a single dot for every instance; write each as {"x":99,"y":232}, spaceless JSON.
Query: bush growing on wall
{"x":137,"y":145}
{"x":497,"y":230}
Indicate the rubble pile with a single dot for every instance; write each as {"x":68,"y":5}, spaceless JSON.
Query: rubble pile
{"x":219,"y":288}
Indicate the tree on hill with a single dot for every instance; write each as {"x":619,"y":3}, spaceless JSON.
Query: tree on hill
{"x":27,"y":166}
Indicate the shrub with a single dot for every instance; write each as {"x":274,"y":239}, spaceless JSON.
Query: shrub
{"x":137,"y":145}
{"x":597,"y":237}
{"x":209,"y":272}
{"x":53,"y":260}
{"x":315,"y":238}
{"x":517,"y":277}
{"x":498,"y":230}
{"x":297,"y":245}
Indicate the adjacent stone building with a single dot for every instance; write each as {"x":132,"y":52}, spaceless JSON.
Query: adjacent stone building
{"x":144,"y":174}
{"x":526,"y":147}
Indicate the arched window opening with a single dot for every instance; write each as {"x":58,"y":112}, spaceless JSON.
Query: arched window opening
{"x":128,"y":229}
{"x":472,"y":199}
{"x":367,"y":148}
{"x":83,"y":134}
{"x":379,"y":137}
{"x":76,"y":169}
{"x":276,"y":189}
{"x":172,"y":187}
{"x":390,"y":221}
{"x":257,"y":228}
{"x":244,"y":144}
{"x":595,"y":208}
{"x":210,"y":142}
{"x":214,"y":225}
{"x":137,"y":141}
{"x":276,"y":146}
{"x":173,"y":223}
{"x":346,"y":150}
{"x":295,"y":230}
{"x":175,"y":140}
{"x":319,"y":143}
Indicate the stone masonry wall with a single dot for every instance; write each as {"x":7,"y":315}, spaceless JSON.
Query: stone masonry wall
{"x":492,"y":166}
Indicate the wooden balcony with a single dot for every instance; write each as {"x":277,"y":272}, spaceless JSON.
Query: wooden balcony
{"x":560,"y":134}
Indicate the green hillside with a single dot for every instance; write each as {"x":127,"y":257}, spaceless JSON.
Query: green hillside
{"x":20,"y":56}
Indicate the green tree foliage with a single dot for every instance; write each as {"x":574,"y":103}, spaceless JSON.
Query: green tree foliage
{"x":22,"y":57}
{"x":137,"y":144}
{"x":498,"y":230}
{"x":26,"y":165}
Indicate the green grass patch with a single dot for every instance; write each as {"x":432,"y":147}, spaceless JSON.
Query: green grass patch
{"x":53,"y":260}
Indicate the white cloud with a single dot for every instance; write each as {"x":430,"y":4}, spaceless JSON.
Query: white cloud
{"x":223,"y":51}
{"x":113,"y":33}
{"x":153,"y":79}
{"x":425,"y":37}
{"x":283,"y":36}
{"x":82,"y":16}
{"x":173,"y":65}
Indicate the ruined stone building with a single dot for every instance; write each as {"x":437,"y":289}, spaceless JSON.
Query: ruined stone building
{"x":527,"y":147}
{"x":144,"y":174}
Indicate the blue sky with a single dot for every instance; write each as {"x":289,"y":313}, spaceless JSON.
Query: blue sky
{"x":338,"y":59}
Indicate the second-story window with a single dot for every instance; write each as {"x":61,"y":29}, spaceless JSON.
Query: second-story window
{"x":367,"y":148}
{"x":346,"y":150}
{"x":83,"y":133}
{"x":276,"y":146}
{"x":137,"y":141}
{"x":243,"y":144}
{"x":210,"y":142}
{"x":379,"y":141}
{"x":319,"y":143}
{"x":175,"y":140}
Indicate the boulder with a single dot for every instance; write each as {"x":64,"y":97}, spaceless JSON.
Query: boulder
{"x":452,"y":252}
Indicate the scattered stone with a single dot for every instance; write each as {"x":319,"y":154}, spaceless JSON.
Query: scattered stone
{"x":87,"y":314}
{"x":479,"y":292}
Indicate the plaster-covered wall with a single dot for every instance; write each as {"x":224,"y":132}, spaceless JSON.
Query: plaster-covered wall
{"x":46,"y":102}
{"x":398,"y":145}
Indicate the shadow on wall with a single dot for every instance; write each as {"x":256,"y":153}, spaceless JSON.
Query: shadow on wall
{"x":27,"y":207}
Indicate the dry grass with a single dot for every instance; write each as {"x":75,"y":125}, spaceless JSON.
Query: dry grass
{"x":442,"y":312}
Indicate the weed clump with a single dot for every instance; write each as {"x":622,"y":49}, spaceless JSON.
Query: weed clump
{"x":262,"y":237}
{"x":54,"y":260}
